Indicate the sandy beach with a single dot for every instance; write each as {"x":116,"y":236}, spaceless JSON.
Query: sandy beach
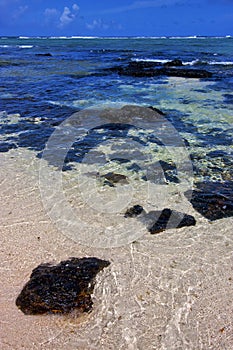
{"x":167,"y":291}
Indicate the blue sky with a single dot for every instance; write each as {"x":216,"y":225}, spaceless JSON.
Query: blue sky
{"x":116,"y":18}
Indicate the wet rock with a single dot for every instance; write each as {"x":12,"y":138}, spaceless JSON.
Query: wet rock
{"x":157,"y":110}
{"x":173,"y":63}
{"x":213,"y":200}
{"x":170,"y":171}
{"x":185,"y":73}
{"x":113,"y":178}
{"x":60,"y":288}
{"x":134,"y":211}
{"x":134,"y":167}
{"x":44,"y":54}
{"x":170,"y":219}
{"x":157,"y":221}
{"x":149,"y":69}
{"x":120,"y":160}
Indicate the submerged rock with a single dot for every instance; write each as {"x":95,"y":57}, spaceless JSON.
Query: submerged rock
{"x":214,"y":200}
{"x":112,"y":178}
{"x":157,"y":221}
{"x":170,"y":219}
{"x":60,"y":288}
{"x":134,"y":211}
{"x":120,"y":160}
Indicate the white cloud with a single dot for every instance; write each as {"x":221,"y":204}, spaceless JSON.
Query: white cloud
{"x":97,"y":24}
{"x":101,"y":24}
{"x":68,"y":16}
{"x":61,"y":19}
{"x":51,"y":12}
{"x":75,"y":7}
{"x":51,"y":16}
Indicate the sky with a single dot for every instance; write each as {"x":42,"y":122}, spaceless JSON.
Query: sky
{"x":116,"y":18}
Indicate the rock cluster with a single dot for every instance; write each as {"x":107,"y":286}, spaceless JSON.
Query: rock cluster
{"x":173,"y":68}
{"x":158,"y":221}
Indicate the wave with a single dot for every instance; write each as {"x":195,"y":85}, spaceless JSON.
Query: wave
{"x":187,"y":63}
{"x":120,"y":37}
{"x":155,"y":60}
{"x":162,"y":61}
{"x":25,"y":46}
{"x":17,"y":46}
{"x":222,"y":63}
{"x":85,"y":37}
{"x":74,"y":37}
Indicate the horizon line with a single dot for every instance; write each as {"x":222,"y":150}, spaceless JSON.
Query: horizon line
{"x":114,"y":36}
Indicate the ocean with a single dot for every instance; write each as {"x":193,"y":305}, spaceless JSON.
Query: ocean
{"x":45,"y":80}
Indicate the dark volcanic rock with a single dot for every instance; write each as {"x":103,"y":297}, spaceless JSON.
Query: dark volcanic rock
{"x":185,"y":73}
{"x":114,"y":178}
{"x":60,"y":288}
{"x":134,"y":211}
{"x":173,"y":63}
{"x":156,"y":110}
{"x":170,"y":171}
{"x":167,"y":219}
{"x":120,"y":160}
{"x":213,"y":200}
{"x":158,"y":221}
{"x":44,"y":54}
{"x":150,"y":69}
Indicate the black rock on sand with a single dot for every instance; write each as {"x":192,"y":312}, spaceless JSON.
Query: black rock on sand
{"x":60,"y":288}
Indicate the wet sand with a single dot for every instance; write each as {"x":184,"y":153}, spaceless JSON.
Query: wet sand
{"x":167,"y":291}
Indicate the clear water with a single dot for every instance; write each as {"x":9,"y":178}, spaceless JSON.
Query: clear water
{"x":45,"y":90}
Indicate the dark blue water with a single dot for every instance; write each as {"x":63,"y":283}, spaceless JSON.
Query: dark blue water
{"x":72,"y":76}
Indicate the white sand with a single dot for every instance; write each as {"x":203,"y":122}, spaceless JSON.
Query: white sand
{"x":168,"y":291}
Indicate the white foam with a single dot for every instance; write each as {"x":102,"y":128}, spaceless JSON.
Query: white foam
{"x":18,"y":46}
{"x":156,"y":60}
{"x":162,"y":61}
{"x":223,"y":63}
{"x":25,"y":46}
{"x":190,"y":63}
{"x":85,"y":37}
